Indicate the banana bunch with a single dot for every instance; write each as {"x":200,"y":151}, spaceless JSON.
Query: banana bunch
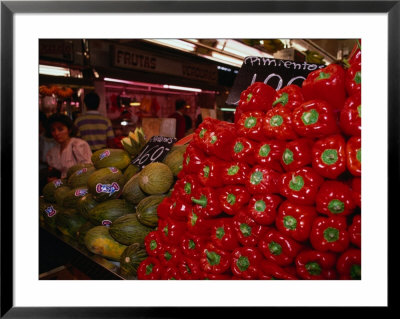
{"x":314,"y":57}
{"x":134,"y":142}
{"x":273,"y":45}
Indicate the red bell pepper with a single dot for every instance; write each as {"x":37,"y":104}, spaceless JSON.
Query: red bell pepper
{"x":263,"y":208}
{"x":189,"y":268}
{"x":201,"y":133}
{"x":171,"y":273}
{"x":257,"y":97}
{"x":164,"y":209}
{"x":353,"y":79}
{"x":150,"y":269}
{"x":314,"y":118}
{"x":220,"y":141}
{"x":197,"y":225}
{"x":355,"y":231}
{"x":192,"y":245}
{"x":207,"y":202}
{"x":233,"y":198}
{"x":297,"y":153}
{"x":295,"y":220}
{"x":243,"y":150}
{"x":278,"y":247}
{"x":223,"y":234}
{"x":334,"y":198}
{"x":353,"y":155}
{"x":315,"y":265}
{"x":301,"y":186}
{"x":193,"y":159}
{"x":355,"y":54}
{"x":170,"y":255}
{"x":262,"y":180}
{"x":356,"y":189}
{"x":209,"y":276}
{"x":245,"y":262}
{"x":278,"y":124}
{"x":235,"y":173}
{"x":348,"y":265}
{"x":171,"y":230}
{"x":211,"y":173}
{"x":153,"y":243}
{"x":247,"y":230}
{"x":185,"y":187}
{"x":326,"y":84}
{"x":238,"y":113}
{"x":269,"y":152}
{"x":350,"y":116}
{"x":329,"y":156}
{"x":181,"y":210}
{"x":289,"y":97}
{"x":250,"y":125}
{"x":270,"y":270}
{"x":214,"y":260}
{"x":329,"y":234}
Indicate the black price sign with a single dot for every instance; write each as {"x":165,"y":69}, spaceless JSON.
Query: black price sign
{"x":274,"y":72}
{"x":154,"y":151}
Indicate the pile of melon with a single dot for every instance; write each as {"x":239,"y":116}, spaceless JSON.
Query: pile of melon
{"x":109,"y":206}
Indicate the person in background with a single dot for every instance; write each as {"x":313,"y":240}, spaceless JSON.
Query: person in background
{"x":180,"y":119}
{"x":69,"y":150}
{"x":188,"y":122}
{"x":46,"y":142}
{"x":199,"y":118}
{"x":93,"y":127}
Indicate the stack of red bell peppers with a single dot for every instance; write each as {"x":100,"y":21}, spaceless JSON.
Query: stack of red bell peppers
{"x":274,"y":195}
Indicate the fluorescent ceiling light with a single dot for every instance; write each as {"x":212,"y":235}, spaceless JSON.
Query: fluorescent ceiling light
{"x":183,"y":88}
{"x":298,"y":46}
{"x":53,"y":70}
{"x":124,"y":123}
{"x":174,"y":43}
{"x":226,"y":109}
{"x":226,"y":59}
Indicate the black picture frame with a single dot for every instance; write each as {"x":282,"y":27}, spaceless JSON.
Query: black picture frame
{"x":9,"y":8}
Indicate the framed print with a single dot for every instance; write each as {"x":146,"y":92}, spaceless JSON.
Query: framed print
{"x":25,"y":23}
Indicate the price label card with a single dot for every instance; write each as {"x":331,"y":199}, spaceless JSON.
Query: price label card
{"x":274,"y":72}
{"x":154,"y":151}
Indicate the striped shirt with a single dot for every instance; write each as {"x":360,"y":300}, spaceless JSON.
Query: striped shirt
{"x":94,"y":129}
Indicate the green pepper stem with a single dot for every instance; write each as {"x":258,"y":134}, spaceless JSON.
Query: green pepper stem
{"x":283,"y":99}
{"x":202,"y":201}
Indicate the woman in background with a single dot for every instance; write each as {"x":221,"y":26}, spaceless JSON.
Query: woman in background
{"x":69,"y":150}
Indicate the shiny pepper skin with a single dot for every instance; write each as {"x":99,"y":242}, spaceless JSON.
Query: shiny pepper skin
{"x":356,"y":188}
{"x":335,"y":198}
{"x":150,"y":269}
{"x":257,"y":97}
{"x":329,"y":234}
{"x":314,"y":118}
{"x":353,"y":79}
{"x":263,"y":180}
{"x":247,"y":230}
{"x":353,"y":155}
{"x":243,"y":150}
{"x":269,"y":152}
{"x":263,"y":208}
{"x":329,"y":156}
{"x":297,"y":153}
{"x":355,"y":231}
{"x":348,"y":265}
{"x":315,"y":265}
{"x":250,"y":125}
{"x":350,"y":116}
{"x":245,"y":262}
{"x":223,"y":234}
{"x":301,"y":186}
{"x":278,"y":124}
{"x":290,"y":97}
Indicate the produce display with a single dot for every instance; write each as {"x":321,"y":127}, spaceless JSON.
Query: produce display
{"x":274,"y":195}
{"x":109,"y":206}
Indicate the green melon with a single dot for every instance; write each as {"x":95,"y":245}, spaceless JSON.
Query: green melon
{"x":48,"y":212}
{"x":99,"y":241}
{"x":110,"y":157}
{"x":132,"y":191}
{"x":77,"y":167}
{"x":146,"y":210}
{"x":128,"y":230}
{"x":73,"y":196}
{"x":107,"y":212}
{"x":85,"y":204}
{"x":156,"y":178}
{"x":50,"y":188}
{"x":60,"y":194}
{"x":80,"y":177}
{"x":131,"y":258}
{"x":81,"y":233}
{"x":69,"y":221}
{"x":106,"y":183}
{"x":130,"y":171}
{"x":174,"y":159}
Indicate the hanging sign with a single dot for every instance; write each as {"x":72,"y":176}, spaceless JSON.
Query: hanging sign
{"x":274,"y":72}
{"x":155,"y":150}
